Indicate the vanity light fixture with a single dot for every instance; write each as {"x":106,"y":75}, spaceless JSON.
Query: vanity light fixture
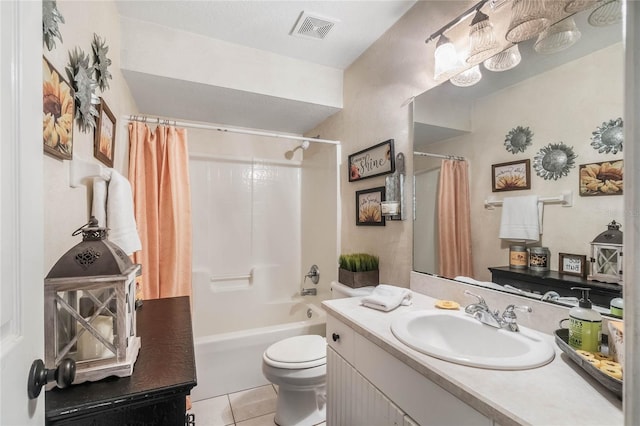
{"x":446,"y":59}
{"x":558,"y":36}
{"x":505,"y":60}
{"x":468,"y":77}
{"x":482,"y":40}
{"x":528,"y":19}
{"x":608,"y":12}
{"x":575,"y":6}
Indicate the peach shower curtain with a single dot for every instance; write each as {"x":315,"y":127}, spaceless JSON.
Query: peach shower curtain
{"x":454,"y":217}
{"x":159,"y":175}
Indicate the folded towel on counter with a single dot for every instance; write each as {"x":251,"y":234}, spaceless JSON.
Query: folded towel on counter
{"x":113,"y":207}
{"x":387,"y":297}
{"x":520,"y":219}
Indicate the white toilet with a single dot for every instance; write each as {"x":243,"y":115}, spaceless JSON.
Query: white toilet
{"x":298,"y":365}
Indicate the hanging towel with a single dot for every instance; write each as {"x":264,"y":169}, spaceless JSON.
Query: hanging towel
{"x":387,"y":297}
{"x":520,"y":219}
{"x":113,"y":207}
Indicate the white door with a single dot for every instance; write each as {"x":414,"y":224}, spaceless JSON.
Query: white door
{"x":21,"y":212}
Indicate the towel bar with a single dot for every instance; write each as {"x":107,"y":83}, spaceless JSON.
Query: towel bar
{"x":81,"y":169}
{"x":231,"y":277}
{"x":565,"y":200}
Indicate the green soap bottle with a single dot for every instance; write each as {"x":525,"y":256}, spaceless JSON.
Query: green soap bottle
{"x":585,"y":324}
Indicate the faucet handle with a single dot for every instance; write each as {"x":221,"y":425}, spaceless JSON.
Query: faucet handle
{"x":509,"y":314}
{"x":480,"y":298}
{"x":523,"y":308}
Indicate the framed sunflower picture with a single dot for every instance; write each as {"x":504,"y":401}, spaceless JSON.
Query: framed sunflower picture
{"x":511,"y":176}
{"x":603,"y":178}
{"x":57,"y":113}
{"x":369,"y":207}
{"x":104,"y":141}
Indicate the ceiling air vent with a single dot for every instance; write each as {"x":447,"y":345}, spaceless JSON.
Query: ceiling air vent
{"x":310,"y":26}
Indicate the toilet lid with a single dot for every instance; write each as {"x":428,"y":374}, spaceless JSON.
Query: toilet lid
{"x":297,"y":352}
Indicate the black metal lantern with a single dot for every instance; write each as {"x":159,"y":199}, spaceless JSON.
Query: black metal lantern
{"x":606,"y":255}
{"x":90,"y":313}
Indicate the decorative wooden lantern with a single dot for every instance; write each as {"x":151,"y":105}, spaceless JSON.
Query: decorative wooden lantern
{"x":606,"y":255}
{"x":90,"y":310}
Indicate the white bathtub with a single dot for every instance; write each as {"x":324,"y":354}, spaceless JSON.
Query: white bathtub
{"x":229,"y":351}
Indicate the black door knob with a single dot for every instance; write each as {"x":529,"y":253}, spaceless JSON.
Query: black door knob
{"x":39,"y":376}
{"x":335,"y":337}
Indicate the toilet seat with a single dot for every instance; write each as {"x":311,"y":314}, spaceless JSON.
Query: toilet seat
{"x":297,"y":352}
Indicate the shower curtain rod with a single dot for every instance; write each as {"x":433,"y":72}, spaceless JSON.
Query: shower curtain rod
{"x":209,"y":126}
{"x":446,"y":157}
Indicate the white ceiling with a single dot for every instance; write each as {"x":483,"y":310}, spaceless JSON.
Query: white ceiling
{"x":264,"y":25}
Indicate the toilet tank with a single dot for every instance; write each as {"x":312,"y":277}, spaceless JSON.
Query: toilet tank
{"x":340,"y":291}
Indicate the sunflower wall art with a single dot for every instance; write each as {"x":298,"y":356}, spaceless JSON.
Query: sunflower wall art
{"x":604,"y":178}
{"x":518,"y":139}
{"x":57,"y":113}
{"x":369,"y":207}
{"x":554,"y":161}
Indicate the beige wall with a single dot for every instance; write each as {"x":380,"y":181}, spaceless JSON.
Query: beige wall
{"x":563,"y":105}
{"x":378,"y":88}
{"x":66,"y":208}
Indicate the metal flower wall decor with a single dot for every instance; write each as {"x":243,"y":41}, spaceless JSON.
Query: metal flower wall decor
{"x":80,"y":75}
{"x":609,"y":137}
{"x":51,"y":17}
{"x":554,"y":161}
{"x":101,"y":62}
{"x":518,"y":139}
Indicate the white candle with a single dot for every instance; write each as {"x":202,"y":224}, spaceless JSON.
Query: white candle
{"x":89,"y":347}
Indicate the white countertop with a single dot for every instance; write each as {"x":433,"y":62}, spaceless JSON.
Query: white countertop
{"x":559,"y":393}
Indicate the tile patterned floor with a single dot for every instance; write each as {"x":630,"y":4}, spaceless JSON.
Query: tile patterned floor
{"x":253,"y":407}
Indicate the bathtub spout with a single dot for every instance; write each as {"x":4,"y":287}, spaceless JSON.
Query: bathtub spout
{"x":308,"y":292}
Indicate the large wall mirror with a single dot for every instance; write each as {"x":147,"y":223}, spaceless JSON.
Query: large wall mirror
{"x":569,"y":99}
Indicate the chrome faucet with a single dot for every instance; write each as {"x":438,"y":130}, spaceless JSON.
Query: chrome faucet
{"x":308,"y":292}
{"x":482,"y":313}
{"x":553,"y":296}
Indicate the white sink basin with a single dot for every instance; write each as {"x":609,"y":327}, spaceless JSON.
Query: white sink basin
{"x":456,"y":337}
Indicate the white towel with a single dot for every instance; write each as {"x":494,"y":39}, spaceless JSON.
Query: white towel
{"x":113,"y":207}
{"x":520,"y":219}
{"x":387,"y":297}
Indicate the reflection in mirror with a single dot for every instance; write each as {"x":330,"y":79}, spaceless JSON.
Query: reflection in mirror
{"x":561,"y":99}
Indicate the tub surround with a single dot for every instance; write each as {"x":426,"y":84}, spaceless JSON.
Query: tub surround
{"x":557,"y":393}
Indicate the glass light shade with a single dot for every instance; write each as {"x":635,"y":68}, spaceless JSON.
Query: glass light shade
{"x":505,"y":60}
{"x":558,"y":36}
{"x":574,"y":6}
{"x":482,"y":41}
{"x":609,"y":12}
{"x":467,"y":78}
{"x":528,"y":19}
{"x":446,"y":59}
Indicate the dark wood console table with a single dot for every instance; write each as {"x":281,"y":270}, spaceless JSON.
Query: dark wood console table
{"x":541,"y":282}
{"x":163,"y":375}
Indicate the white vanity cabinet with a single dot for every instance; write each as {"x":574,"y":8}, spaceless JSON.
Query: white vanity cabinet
{"x":368,"y":386}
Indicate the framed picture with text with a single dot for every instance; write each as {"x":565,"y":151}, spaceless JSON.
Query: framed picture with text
{"x":511,"y":176}
{"x":374,"y":161}
{"x":369,"y":207}
{"x":573,"y":264}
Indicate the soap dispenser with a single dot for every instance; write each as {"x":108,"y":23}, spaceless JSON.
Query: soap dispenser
{"x":585,"y":324}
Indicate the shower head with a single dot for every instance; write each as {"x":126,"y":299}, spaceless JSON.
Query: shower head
{"x":289,"y":154}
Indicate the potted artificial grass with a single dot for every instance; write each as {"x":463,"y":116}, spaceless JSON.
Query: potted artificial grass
{"x":358,"y":270}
